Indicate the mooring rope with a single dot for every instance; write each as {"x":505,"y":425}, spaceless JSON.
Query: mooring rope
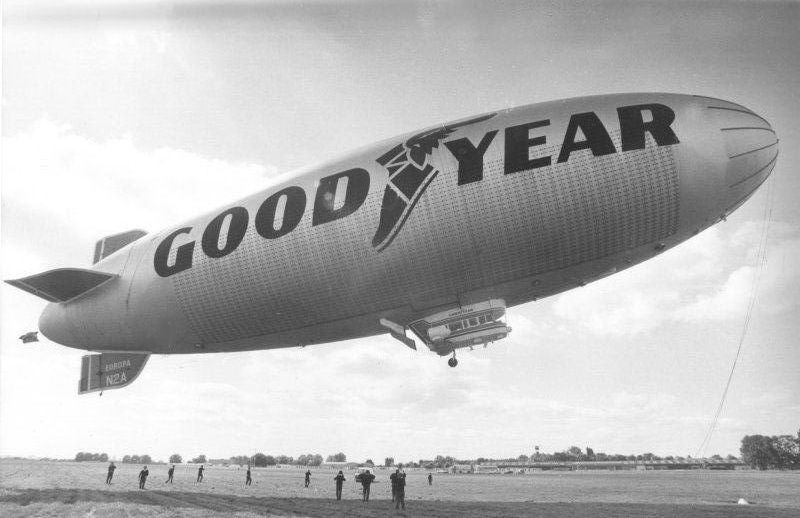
{"x":761,"y":260}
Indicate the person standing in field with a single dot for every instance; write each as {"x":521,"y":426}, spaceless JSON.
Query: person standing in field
{"x":393,"y":483}
{"x":400,"y":491}
{"x":308,"y":477}
{"x":143,"y":477}
{"x":367,"y":479}
{"x":199,"y":474}
{"x":169,"y":474}
{"x":430,"y":479}
{"x":111,"y":468}
{"x":339,"y":482}
{"x":249,"y":479}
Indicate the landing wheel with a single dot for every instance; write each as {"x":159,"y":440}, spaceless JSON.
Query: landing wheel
{"x":452,"y":362}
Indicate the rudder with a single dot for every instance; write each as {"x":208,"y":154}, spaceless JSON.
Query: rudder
{"x":107,"y":371}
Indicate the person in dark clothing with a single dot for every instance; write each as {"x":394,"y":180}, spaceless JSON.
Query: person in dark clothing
{"x":366,"y":480}
{"x":308,"y":477}
{"x":111,"y":468}
{"x":249,"y":479}
{"x":143,"y":477}
{"x":430,"y":479}
{"x":400,"y":491}
{"x":170,"y":472}
{"x":339,"y":482}
{"x":393,"y":482}
{"x":199,"y":474}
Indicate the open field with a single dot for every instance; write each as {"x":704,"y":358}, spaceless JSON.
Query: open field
{"x":39,"y":488}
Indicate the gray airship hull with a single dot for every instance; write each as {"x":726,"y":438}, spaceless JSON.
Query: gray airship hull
{"x":516,"y":205}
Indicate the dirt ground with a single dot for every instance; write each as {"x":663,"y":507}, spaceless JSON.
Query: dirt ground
{"x":39,"y":488}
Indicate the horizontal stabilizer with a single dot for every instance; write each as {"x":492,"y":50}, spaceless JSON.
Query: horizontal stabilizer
{"x":106,"y":371}
{"x":110,"y":244}
{"x":62,"y":284}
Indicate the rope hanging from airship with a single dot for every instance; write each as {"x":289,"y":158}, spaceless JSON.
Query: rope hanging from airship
{"x":761,"y":260}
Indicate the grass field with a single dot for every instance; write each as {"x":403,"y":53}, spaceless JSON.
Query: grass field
{"x":38,"y":488}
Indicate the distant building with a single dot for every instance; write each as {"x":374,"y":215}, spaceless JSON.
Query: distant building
{"x":461,"y":468}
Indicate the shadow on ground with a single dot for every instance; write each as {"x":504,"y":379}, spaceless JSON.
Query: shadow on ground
{"x":222,"y":504}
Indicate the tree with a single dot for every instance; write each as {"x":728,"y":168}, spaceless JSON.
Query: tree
{"x":388,"y":462}
{"x":523,"y":458}
{"x":590,"y":453}
{"x":270,"y":460}
{"x":758,"y":451}
{"x":574,"y":453}
{"x":338,"y":457}
{"x":561,"y":456}
{"x":200,"y":459}
{"x":175,"y":459}
{"x":316,"y":460}
{"x":135,"y":459}
{"x":85,"y":456}
{"x":145,"y":459}
{"x":787,"y":451}
{"x":126,"y":459}
{"x":369,"y":462}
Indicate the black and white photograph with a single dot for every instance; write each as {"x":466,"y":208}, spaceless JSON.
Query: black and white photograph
{"x":400,"y":258}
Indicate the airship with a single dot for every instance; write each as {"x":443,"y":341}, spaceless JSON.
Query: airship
{"x":429,"y":236}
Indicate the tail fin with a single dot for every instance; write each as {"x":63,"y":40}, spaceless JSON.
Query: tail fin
{"x":110,"y":244}
{"x":62,"y":284}
{"x":106,"y":371}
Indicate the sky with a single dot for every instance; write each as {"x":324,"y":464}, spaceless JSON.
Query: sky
{"x":141,"y":114}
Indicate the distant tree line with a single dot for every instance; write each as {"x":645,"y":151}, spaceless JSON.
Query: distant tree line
{"x":776,"y":452}
{"x":137,"y":459}
{"x":86,"y":456}
{"x":311,"y":459}
{"x":759,"y":451}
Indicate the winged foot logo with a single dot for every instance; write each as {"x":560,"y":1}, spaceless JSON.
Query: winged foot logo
{"x":410,"y":173}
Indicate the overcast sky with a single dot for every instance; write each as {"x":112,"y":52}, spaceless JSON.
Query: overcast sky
{"x":139,"y":114}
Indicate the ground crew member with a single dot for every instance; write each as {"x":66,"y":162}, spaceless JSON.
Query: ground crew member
{"x":169,"y":474}
{"x":366,"y":479}
{"x":308,"y":477}
{"x":430,"y":479}
{"x":393,"y":482}
{"x":199,"y":474}
{"x":111,"y":468}
{"x":339,"y":481}
{"x":143,"y":477}
{"x":249,"y":479}
{"x":400,"y":491}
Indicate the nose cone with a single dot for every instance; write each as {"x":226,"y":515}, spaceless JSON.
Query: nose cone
{"x":752,"y":148}
{"x":54,"y":324}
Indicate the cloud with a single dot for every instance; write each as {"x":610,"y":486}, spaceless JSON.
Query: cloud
{"x":708,"y":278}
{"x":60,"y":186}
